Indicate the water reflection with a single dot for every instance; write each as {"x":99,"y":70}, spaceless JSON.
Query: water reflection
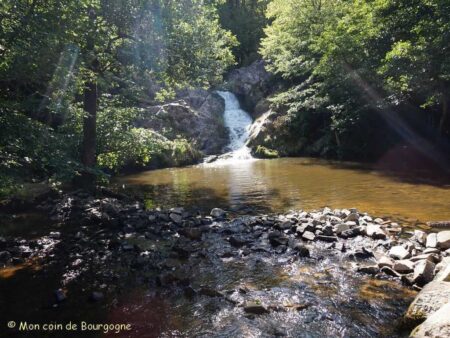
{"x":296,"y":183}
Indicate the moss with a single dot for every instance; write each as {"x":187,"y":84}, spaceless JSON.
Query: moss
{"x":263,"y":152}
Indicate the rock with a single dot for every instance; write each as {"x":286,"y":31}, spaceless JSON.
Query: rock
{"x":237,"y":242}
{"x":443,"y":240}
{"x":391,"y":272}
{"x":252,"y":84}
{"x":432,"y":297}
{"x":431,"y":250}
{"x":301,"y":250}
{"x":327,"y":238}
{"x":308,"y":235}
{"x":218,"y":213}
{"x":436,"y":325}
{"x":431,"y":240}
{"x":423,"y":272}
{"x":96,"y":296}
{"x":60,"y":295}
{"x":206,"y":291}
{"x":420,"y":236}
{"x":375,"y":231}
{"x":369,"y":269}
{"x":5,"y":257}
{"x":386,"y":261}
{"x":443,"y":270}
{"x":255,"y":308}
{"x":404,"y":266}
{"x":399,"y":252}
{"x":276,"y":238}
{"x":353,"y":217}
{"x":361,"y":253}
{"x":194,"y":234}
{"x":341,"y":228}
{"x":431,"y":257}
{"x":350,"y":233}
{"x":176,"y":218}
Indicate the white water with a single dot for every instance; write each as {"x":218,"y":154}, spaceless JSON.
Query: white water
{"x":238,"y":122}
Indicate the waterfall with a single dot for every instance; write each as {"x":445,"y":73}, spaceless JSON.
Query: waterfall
{"x":238,"y":122}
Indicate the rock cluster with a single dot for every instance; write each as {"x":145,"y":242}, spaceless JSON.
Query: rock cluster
{"x":112,"y":231}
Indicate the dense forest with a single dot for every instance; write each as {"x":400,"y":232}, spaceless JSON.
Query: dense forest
{"x":349,"y":78}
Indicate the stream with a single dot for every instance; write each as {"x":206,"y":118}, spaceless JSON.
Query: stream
{"x":168,"y":282}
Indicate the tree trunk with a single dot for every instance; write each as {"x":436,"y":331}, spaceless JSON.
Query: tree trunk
{"x":444,"y":115}
{"x":88,"y":155}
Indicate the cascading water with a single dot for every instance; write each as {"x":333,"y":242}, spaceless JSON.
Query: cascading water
{"x":238,"y":122}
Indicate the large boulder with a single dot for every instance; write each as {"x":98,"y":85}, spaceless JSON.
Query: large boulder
{"x":252,"y":85}
{"x":196,"y":115}
{"x":436,"y":325}
{"x":432,"y":297}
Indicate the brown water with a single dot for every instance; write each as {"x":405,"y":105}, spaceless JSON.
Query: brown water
{"x":296,"y":183}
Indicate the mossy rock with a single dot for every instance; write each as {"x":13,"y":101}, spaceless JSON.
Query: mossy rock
{"x":263,"y":152}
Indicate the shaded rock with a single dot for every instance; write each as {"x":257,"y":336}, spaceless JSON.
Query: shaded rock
{"x":60,"y":295}
{"x":404,"y":266}
{"x":443,"y":240}
{"x":327,"y":238}
{"x":399,"y":252}
{"x":255,"y":308}
{"x":361,"y":253}
{"x":432,"y":297}
{"x":341,"y":228}
{"x":423,"y":272}
{"x":237,"y":241}
{"x":206,"y":291}
{"x":430,"y":256}
{"x":176,"y":218}
{"x":352,"y":217}
{"x":391,"y":272}
{"x":218,"y":213}
{"x":276,"y":238}
{"x":5,"y":257}
{"x":191,"y":233}
{"x":375,"y":231}
{"x":369,"y":269}
{"x":436,"y":325}
{"x":350,"y":233}
{"x":301,"y":250}
{"x":96,"y":296}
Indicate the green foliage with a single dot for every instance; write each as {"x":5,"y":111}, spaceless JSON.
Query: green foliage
{"x":246,"y":20}
{"x":344,"y":62}
{"x":137,"y":52}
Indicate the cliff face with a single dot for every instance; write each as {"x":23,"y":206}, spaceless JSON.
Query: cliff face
{"x":196,"y":115}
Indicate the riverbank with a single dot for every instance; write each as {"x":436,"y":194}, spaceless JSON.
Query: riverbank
{"x":285,"y":267}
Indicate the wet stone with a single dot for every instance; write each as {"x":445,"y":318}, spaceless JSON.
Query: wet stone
{"x":255,"y":308}
{"x":308,"y":235}
{"x":399,"y":252}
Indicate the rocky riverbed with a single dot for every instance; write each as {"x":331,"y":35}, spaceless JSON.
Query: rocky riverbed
{"x":329,"y":272}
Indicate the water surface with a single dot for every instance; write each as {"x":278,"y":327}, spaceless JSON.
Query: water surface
{"x":294,"y":183}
